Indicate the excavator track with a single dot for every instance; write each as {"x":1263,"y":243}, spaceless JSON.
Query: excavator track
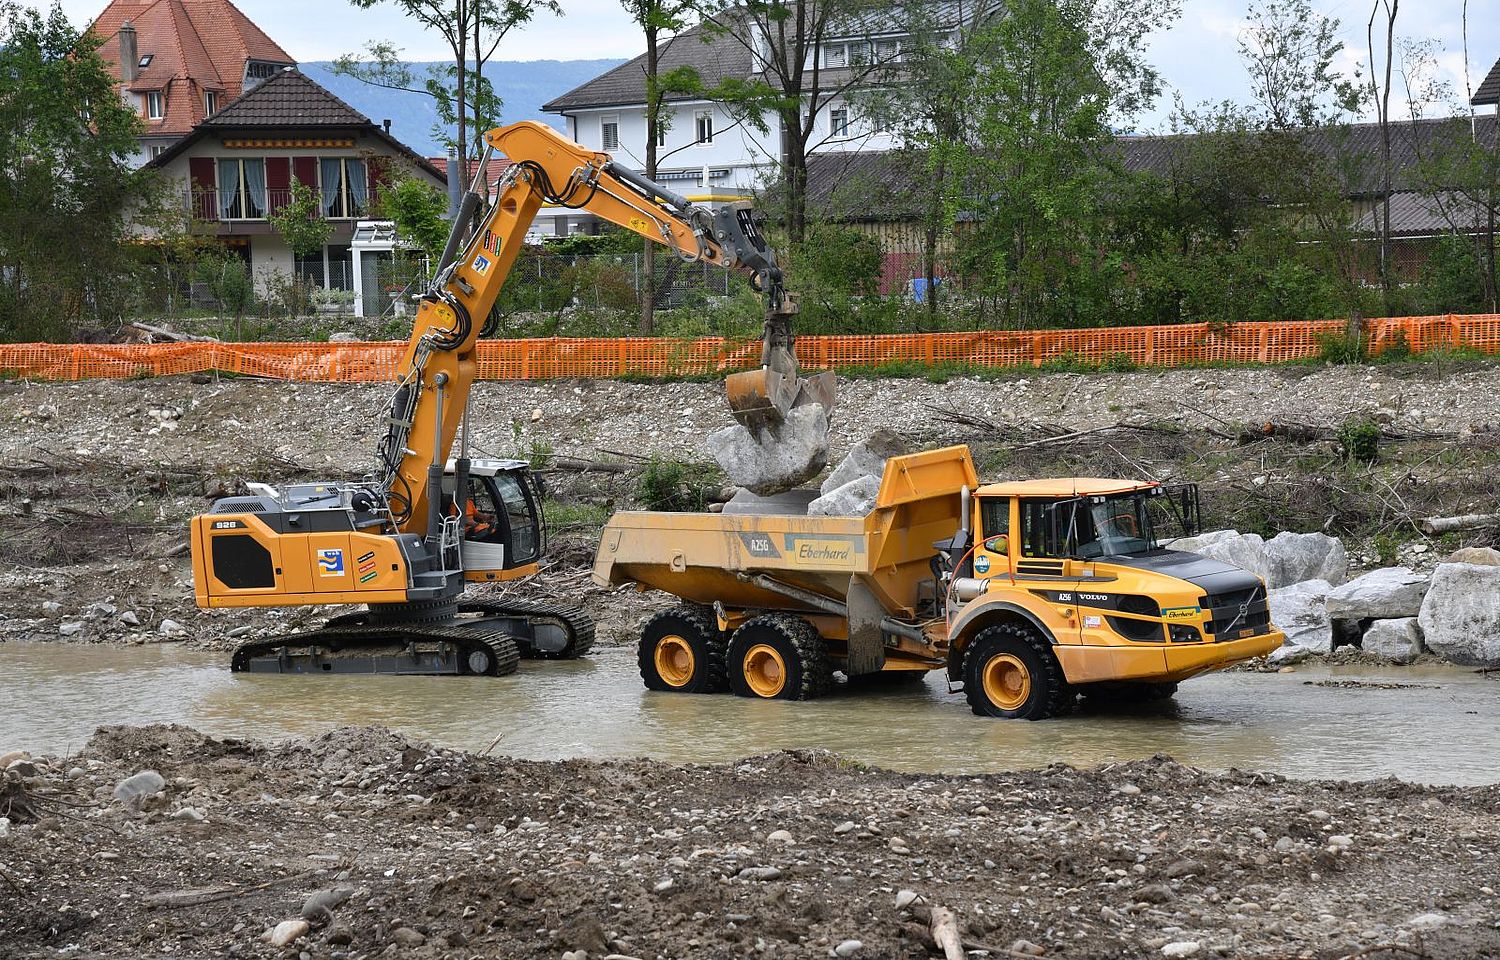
{"x":570,"y":637}
{"x":484,"y":639}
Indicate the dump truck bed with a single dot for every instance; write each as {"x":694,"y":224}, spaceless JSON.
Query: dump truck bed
{"x":708,"y":557}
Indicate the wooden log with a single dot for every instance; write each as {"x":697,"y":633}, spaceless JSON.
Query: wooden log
{"x":944,"y":927}
{"x":1472,"y":521}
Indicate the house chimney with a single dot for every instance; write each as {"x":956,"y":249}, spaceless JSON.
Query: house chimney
{"x":455,"y":184}
{"x":129,"y":56}
{"x":387,"y":124}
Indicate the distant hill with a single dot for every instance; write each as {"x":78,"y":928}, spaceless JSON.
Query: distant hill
{"x":523,"y":87}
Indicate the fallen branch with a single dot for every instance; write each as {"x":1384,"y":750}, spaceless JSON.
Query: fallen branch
{"x":202,"y":895}
{"x":172,"y":336}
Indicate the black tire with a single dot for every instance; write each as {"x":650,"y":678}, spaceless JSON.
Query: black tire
{"x":698,"y":630}
{"x":1041,"y":690}
{"x":796,"y":647}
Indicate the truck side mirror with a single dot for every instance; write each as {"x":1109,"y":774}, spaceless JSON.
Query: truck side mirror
{"x":999,"y":545}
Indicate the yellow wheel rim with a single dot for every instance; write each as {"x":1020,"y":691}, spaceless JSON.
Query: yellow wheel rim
{"x":675,"y":661}
{"x":765,"y":670}
{"x":1007,"y":682}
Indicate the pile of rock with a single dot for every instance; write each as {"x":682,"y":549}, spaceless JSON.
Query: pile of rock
{"x":1394,"y":613}
{"x":852,"y":487}
{"x":1284,"y":560}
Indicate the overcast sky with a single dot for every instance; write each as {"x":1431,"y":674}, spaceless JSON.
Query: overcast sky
{"x":1198,"y":56}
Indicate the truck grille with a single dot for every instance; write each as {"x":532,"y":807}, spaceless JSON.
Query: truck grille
{"x":1225,"y":610}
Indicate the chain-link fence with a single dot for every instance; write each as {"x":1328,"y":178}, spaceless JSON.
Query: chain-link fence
{"x":543,"y":281}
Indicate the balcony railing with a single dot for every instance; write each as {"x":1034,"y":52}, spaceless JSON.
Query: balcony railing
{"x":203,"y":204}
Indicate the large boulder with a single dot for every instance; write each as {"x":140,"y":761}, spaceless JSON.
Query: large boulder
{"x":1399,"y":640}
{"x":865,"y":459}
{"x":1295,"y":557}
{"x":1484,"y":556}
{"x":854,"y":499}
{"x":1298,"y":611}
{"x":1196,"y":544}
{"x":1460,"y":616}
{"x":1384,"y":594}
{"x":771,"y":461}
{"x":1244,"y":550}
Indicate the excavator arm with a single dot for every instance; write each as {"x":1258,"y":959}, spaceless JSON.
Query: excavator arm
{"x":437,"y":369}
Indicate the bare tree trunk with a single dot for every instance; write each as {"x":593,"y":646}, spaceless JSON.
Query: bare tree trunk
{"x":653,"y":119}
{"x":460,"y":61}
{"x":794,"y":174}
{"x":478,"y":74}
{"x":1383,"y":109}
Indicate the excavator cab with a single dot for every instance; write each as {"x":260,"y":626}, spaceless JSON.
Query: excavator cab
{"x":504,"y":529}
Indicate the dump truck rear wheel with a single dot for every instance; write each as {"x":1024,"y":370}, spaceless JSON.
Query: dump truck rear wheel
{"x":779,"y":657}
{"x":1010,"y":671}
{"x":682,"y":650}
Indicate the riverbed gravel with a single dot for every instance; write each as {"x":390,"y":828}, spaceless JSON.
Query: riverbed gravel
{"x":360,"y":843}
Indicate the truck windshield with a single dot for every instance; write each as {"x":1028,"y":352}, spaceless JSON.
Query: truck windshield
{"x":1088,"y":527}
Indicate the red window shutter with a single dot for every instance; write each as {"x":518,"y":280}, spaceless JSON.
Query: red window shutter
{"x":278,"y":182}
{"x":305,"y":169}
{"x":203,"y":200}
{"x":380,"y":177}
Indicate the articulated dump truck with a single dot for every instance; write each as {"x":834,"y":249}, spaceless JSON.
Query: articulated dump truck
{"x":1026,"y":593}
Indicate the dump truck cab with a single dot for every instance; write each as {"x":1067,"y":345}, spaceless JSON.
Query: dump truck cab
{"x":1084,"y":566}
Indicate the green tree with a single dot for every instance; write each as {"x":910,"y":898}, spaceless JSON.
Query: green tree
{"x":301,"y":224}
{"x":227,"y":277}
{"x":1046,"y":82}
{"x":796,"y":73}
{"x":417,"y":208}
{"x":66,"y":178}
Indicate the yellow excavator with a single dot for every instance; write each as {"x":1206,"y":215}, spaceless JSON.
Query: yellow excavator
{"x":405,"y":541}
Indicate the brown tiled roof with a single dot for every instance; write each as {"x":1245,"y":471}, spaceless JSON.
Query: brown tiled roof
{"x":887,"y":185}
{"x":196,"y":46}
{"x":288,"y":99}
{"x":1488,"y":94}
{"x":292,"y":102}
{"x":713,"y":55}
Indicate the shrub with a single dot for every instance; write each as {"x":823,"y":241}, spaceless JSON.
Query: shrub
{"x":1340,"y":349}
{"x":670,"y":485}
{"x":1360,"y":439}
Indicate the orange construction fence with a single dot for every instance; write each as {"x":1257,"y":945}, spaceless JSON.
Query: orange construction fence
{"x":553,"y":358}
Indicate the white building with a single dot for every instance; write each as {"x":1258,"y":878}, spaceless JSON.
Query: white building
{"x":705,"y":151}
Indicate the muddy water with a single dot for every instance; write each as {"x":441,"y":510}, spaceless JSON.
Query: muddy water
{"x":1442,"y":727}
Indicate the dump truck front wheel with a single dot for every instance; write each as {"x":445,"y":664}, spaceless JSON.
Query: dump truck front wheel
{"x":682,"y":650}
{"x":778,"y":657}
{"x":1010,"y":671}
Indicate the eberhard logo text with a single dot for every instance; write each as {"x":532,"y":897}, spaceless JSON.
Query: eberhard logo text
{"x":823,"y":551}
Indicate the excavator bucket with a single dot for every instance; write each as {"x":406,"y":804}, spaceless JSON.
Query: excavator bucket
{"x":762,"y":398}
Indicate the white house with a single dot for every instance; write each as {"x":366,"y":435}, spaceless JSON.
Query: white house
{"x":704,"y":150}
